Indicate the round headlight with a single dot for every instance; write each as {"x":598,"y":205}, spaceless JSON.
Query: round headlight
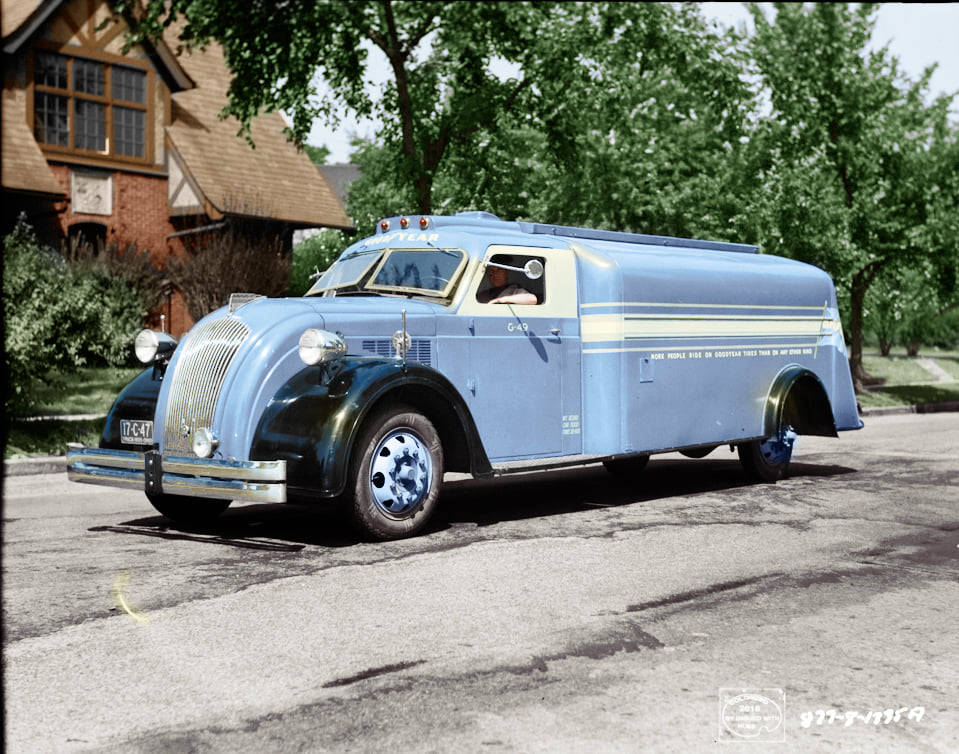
{"x":151,"y":345}
{"x":146,"y":345}
{"x":317,"y":346}
{"x":205,"y":442}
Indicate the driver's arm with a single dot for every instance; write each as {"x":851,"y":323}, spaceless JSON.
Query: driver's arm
{"x":525,"y":298}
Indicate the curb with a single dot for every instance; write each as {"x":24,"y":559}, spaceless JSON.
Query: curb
{"x":922,"y":408}
{"x":29,"y":466}
{"x":60,"y":418}
{"x":57,"y":464}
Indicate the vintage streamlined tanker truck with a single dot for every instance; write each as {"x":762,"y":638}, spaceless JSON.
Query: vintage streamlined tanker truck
{"x":395,"y":368}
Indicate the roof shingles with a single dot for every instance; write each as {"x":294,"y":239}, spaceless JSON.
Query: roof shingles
{"x":273,"y":179}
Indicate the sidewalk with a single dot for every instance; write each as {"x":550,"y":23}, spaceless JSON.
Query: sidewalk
{"x":57,"y":464}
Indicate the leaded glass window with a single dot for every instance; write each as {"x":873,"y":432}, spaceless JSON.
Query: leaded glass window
{"x":90,"y":105}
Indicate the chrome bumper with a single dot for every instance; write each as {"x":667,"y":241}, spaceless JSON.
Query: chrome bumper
{"x":255,"y":481}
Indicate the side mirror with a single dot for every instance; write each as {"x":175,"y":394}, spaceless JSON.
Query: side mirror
{"x":533,"y":269}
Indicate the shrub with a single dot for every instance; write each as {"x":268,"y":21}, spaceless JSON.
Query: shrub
{"x":235,"y":259}
{"x":132,"y":265}
{"x":58,"y":316}
{"x":312,"y":255}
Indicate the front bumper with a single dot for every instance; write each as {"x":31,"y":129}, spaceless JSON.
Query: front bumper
{"x":253,"y":481}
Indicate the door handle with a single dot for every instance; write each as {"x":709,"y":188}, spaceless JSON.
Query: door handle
{"x":554,"y":331}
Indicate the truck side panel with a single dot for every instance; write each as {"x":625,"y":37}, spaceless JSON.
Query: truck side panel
{"x":690,"y":350}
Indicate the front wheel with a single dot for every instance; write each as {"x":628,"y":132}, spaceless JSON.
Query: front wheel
{"x":397,"y":473}
{"x":189,"y":511}
{"x":767,"y":460}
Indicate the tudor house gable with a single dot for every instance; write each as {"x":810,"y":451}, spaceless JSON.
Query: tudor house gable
{"x":125,"y":146}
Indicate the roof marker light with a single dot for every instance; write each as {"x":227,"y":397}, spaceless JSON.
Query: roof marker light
{"x":424,"y":223}
{"x":384,"y":225}
{"x":404,"y":223}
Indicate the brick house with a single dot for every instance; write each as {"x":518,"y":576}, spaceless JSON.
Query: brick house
{"x":126,"y":147}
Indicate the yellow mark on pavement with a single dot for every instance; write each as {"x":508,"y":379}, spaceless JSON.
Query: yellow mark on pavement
{"x":118,"y":586}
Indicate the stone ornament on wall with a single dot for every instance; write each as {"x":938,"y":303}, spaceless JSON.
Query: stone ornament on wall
{"x":91,"y":192}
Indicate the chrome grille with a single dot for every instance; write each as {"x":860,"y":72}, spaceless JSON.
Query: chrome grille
{"x":419,"y":349}
{"x":207,"y":353}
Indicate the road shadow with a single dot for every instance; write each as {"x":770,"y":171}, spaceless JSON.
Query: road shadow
{"x":535,"y":495}
{"x":475,"y":502}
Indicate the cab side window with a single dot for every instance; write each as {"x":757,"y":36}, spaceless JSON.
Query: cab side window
{"x":511,"y":286}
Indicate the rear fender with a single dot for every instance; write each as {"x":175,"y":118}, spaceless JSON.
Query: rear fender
{"x":797,"y":399}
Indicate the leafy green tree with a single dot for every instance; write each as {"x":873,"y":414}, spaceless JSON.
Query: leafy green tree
{"x":642,"y":130}
{"x":314,"y":255}
{"x":317,"y":155}
{"x":849,"y":180}
{"x":442,"y":89}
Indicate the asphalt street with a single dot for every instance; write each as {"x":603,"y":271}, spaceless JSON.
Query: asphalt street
{"x":559,"y":611}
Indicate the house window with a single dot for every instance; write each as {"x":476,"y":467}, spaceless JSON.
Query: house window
{"x":90,"y":106}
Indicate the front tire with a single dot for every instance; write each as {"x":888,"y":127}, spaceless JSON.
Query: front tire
{"x":189,"y":511}
{"x":397,"y":473}
{"x":767,"y":460}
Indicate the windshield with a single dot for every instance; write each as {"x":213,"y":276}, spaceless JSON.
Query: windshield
{"x":345,"y":272}
{"x":425,"y":271}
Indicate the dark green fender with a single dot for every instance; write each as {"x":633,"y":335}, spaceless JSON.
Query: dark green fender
{"x":138,"y":400}
{"x":313,"y":420}
{"x":798,"y":399}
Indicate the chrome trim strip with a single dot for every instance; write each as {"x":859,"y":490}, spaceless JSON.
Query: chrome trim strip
{"x":114,"y":459}
{"x":260,"y":471}
{"x":232,"y":489}
{"x":126,"y":478}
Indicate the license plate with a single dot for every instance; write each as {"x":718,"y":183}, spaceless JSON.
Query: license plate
{"x":136,"y":432}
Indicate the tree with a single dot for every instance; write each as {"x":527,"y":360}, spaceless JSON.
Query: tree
{"x":643,"y":130}
{"x":238,"y":258}
{"x":314,"y":254}
{"x":443,"y":87}
{"x":317,"y":155}
{"x":849,"y":182}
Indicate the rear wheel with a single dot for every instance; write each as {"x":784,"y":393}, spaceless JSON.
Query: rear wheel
{"x":767,"y":460}
{"x":190,"y":511}
{"x":626,"y":466}
{"x":397,"y":473}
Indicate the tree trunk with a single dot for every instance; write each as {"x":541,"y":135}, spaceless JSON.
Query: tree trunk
{"x":860,"y":284}
{"x":855,"y":335}
{"x":423,"y":184}
{"x":422,"y":181}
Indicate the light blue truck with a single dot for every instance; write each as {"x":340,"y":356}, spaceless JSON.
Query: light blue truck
{"x":397,"y":367}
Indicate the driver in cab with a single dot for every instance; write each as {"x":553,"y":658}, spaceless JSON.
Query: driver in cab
{"x":502,"y":291}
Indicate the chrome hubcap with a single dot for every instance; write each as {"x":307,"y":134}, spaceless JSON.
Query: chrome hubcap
{"x":400,"y":473}
{"x":778,"y":450}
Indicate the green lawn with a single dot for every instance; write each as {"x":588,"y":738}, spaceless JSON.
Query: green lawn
{"x":894,"y":370}
{"x":893,"y":374}
{"x":50,"y":438}
{"x":906,"y":395}
{"x":950,"y":364}
{"x":91,"y":390}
